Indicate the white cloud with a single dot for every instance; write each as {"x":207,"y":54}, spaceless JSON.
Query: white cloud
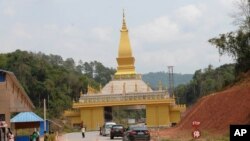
{"x":102,"y":33}
{"x":178,"y":39}
{"x":50,"y":27}
{"x":227,"y":3}
{"x":21,"y":31}
{"x":159,"y":30}
{"x":189,"y":14}
{"x":9,"y":11}
{"x":176,"y":35}
{"x":71,"y":31}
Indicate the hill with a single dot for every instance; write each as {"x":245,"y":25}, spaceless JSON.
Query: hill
{"x":53,"y":78}
{"x":217,"y":111}
{"x":205,"y":81}
{"x":153,"y":78}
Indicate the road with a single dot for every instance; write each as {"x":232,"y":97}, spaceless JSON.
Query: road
{"x":89,"y":136}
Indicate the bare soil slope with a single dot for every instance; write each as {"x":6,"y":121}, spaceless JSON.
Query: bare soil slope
{"x":217,"y":111}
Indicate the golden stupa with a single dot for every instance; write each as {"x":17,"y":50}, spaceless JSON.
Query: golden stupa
{"x":126,"y":90}
{"x":125,"y":58}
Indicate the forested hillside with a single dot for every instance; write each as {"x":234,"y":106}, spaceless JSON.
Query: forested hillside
{"x":204,"y":82}
{"x":153,"y":79}
{"x":50,"y":77}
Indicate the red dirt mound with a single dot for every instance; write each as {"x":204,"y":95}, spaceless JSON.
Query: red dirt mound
{"x":217,"y":111}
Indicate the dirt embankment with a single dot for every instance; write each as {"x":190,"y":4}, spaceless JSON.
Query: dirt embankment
{"x":217,"y":111}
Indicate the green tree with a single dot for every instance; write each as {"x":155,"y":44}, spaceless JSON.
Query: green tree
{"x":102,"y":73}
{"x":3,"y":60}
{"x":242,"y":14}
{"x":69,"y":64}
{"x":88,"y":69}
{"x":237,"y":44}
{"x":204,"y":82}
{"x":54,"y":79}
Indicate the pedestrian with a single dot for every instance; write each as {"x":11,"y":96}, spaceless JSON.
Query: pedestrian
{"x":83,"y":131}
{"x":38,"y":135}
{"x":56,"y":135}
{"x":100,"y":129}
{"x":34,"y":136}
{"x":10,"y":135}
{"x":52,"y":136}
{"x":46,"y":136}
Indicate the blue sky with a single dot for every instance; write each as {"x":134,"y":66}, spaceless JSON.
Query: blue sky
{"x":162,"y":32}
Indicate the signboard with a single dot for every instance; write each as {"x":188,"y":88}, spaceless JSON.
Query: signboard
{"x":196,"y":124}
{"x":196,"y":132}
{"x":131,"y":121}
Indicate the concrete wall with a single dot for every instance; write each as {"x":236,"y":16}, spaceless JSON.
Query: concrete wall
{"x":5,"y":101}
{"x":12,"y":99}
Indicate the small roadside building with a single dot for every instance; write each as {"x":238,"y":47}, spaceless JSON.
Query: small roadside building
{"x":27,"y":123}
{"x":13,"y":98}
{"x":27,"y":120}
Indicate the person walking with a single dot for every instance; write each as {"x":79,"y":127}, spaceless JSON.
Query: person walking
{"x":83,"y":131}
{"x":38,"y":135}
{"x":46,"y":136}
{"x":34,"y":136}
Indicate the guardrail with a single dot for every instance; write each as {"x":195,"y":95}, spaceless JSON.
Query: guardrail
{"x":71,"y":113}
{"x":96,"y":98}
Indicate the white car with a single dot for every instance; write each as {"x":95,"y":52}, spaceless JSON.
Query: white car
{"x":105,"y":130}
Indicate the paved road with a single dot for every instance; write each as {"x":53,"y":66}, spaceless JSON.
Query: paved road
{"x":89,"y":136}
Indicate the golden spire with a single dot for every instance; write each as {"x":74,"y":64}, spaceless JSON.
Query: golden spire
{"x":125,"y":59}
{"x":124,"y":27}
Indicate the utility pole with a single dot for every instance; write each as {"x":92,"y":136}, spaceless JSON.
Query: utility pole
{"x":171,"y":80}
{"x":44,"y":114}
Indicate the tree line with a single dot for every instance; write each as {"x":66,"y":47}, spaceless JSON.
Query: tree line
{"x":154,"y":78}
{"x":205,"y":82}
{"x":52,"y":78}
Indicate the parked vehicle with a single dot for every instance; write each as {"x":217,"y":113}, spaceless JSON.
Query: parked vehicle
{"x":105,"y":130}
{"x":134,"y":133}
{"x":116,"y":131}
